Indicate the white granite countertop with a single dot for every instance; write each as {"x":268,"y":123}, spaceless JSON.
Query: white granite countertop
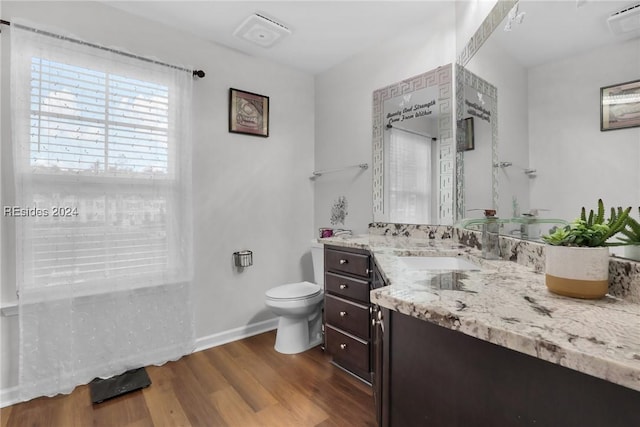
{"x":508,"y":304}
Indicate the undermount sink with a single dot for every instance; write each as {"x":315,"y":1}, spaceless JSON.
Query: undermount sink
{"x":437,"y":263}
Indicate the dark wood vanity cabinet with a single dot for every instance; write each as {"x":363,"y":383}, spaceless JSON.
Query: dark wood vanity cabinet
{"x":427,"y":375}
{"x":347,"y":312}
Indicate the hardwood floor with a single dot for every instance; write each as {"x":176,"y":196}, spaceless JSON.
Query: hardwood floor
{"x":244,"y":383}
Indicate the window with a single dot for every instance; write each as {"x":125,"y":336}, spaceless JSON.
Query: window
{"x":94,"y":122}
{"x":102,"y":174}
{"x":409,"y":166}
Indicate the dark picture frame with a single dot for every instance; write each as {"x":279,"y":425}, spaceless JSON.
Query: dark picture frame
{"x":248,"y":113}
{"x":469,"y":140}
{"x":620,"y":106}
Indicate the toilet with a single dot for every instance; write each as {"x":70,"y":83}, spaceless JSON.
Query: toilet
{"x":299,"y":307}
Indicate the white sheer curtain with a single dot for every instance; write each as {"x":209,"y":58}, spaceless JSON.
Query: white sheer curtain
{"x":102,"y":169}
{"x":409,"y":178}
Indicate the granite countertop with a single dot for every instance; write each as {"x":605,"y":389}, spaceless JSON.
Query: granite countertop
{"x":507,"y":304}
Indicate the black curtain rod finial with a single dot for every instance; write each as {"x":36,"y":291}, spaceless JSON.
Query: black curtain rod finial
{"x":198,"y":73}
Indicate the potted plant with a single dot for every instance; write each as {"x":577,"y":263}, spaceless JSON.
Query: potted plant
{"x":577,"y":255}
{"x":631,"y":239}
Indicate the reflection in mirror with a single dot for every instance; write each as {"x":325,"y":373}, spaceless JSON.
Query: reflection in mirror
{"x":413,"y":150}
{"x":477,"y":143}
{"x":410,"y":155}
{"x":549,"y":69}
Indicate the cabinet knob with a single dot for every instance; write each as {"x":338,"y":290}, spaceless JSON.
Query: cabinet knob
{"x":368,"y":271}
{"x":343,"y":313}
{"x":343,"y":346}
{"x":343,"y":286}
{"x":344,"y":261}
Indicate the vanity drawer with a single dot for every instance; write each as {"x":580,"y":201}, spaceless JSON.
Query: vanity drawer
{"x":347,"y":351}
{"x":348,"y":316}
{"x":347,"y":287}
{"x":346,"y":262}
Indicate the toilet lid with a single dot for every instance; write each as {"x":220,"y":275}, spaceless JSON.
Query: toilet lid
{"x":294,"y":291}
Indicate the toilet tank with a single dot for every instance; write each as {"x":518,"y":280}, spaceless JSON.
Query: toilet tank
{"x":317,"y":255}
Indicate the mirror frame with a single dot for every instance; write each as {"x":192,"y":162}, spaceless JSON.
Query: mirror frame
{"x":490,"y":23}
{"x":441,"y":78}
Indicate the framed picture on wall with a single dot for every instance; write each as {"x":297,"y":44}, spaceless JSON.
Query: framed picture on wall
{"x":620,"y":106}
{"x":248,"y":113}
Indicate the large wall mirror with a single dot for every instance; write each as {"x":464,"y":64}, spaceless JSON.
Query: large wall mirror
{"x":414,"y":150}
{"x":549,"y":61}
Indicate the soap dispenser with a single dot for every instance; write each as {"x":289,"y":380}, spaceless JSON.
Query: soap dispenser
{"x":490,"y":234}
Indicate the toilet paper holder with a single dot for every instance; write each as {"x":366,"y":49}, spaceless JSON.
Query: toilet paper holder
{"x":243,"y":258}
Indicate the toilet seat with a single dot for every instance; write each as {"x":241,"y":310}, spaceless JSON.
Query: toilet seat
{"x":294,"y":291}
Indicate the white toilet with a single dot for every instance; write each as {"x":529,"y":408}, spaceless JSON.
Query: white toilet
{"x":299,"y":306}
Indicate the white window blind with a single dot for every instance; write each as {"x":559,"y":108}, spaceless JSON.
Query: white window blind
{"x":90,"y":121}
{"x":107,"y":127}
{"x":409,"y":178}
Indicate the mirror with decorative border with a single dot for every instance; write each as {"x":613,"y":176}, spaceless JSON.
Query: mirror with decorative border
{"x":414,"y":150}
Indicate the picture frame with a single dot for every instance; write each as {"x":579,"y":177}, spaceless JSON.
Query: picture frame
{"x":620,"y":106}
{"x":248,"y":113}
{"x":469,"y":140}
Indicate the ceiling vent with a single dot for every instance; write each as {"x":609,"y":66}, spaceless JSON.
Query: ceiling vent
{"x":625,"y":20}
{"x":261,"y":30}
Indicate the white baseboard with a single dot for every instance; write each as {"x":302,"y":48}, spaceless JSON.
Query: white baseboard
{"x":235,"y":334}
{"x":10,"y":396}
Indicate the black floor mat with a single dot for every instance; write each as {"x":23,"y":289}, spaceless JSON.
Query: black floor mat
{"x":104,"y":389}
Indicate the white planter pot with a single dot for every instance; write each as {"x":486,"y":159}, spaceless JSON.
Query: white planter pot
{"x":577,"y":272}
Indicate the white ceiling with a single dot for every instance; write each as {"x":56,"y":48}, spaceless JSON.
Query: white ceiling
{"x":324,"y":33}
{"x":552,"y":30}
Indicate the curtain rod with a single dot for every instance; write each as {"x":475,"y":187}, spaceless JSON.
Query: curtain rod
{"x":196,"y":73}
{"x":433,"y":138}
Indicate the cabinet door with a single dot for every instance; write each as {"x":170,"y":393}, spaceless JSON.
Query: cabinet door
{"x":441,"y":377}
{"x":380,"y":355}
{"x":346,"y":262}
{"x":347,"y":287}
{"x":380,"y":365}
{"x":348,"y":351}
{"x":347,"y":315}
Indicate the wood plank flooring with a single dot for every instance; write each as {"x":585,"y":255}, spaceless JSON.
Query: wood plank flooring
{"x":244,"y":383}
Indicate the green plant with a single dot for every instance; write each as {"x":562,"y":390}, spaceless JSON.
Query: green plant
{"x":590,"y":231}
{"x":631,"y":232}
